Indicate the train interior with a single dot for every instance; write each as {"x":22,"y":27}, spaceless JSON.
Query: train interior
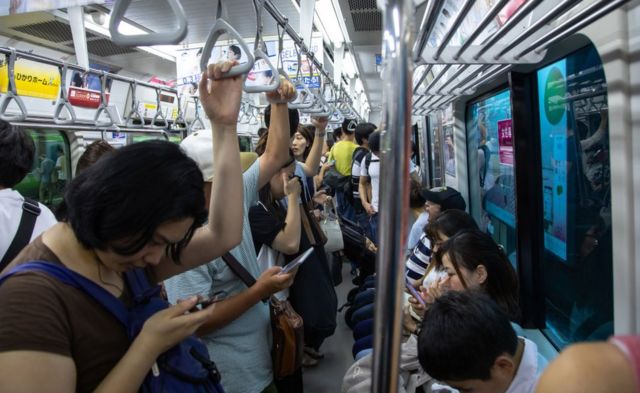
{"x":530,"y":108}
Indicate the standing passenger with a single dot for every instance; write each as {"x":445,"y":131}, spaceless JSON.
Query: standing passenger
{"x":16,"y":159}
{"x":139,"y":208}
{"x":238,"y":335}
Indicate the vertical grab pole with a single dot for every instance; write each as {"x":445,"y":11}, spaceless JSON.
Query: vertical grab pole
{"x":394,"y":204}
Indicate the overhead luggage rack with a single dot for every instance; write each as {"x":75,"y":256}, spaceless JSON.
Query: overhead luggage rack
{"x":456,"y":56}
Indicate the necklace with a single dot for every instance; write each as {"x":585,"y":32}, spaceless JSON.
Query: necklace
{"x":120,"y":290}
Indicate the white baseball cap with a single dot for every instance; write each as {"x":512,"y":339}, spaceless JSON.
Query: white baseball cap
{"x":199,"y":147}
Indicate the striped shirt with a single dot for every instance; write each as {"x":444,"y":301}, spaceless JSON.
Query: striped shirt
{"x":419,"y":260}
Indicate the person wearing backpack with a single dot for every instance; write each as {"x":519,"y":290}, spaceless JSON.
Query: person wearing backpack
{"x":21,"y":219}
{"x":88,"y":317}
{"x":363,"y":131}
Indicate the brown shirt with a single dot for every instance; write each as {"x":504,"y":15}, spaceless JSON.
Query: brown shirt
{"x":40,"y":313}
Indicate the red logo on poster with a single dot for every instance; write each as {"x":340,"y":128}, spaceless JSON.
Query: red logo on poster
{"x":85,"y":98}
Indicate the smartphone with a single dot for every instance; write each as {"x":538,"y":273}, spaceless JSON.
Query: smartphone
{"x":296,"y":262}
{"x":415,"y":294}
{"x":206,"y":301}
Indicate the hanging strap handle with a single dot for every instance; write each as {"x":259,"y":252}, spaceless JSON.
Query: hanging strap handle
{"x":63,"y":100}
{"x":220,"y":27}
{"x":150,"y":39}
{"x":197,"y":120}
{"x":280,"y":62}
{"x":103,"y":104}
{"x":159,"y":114}
{"x":180,"y":117}
{"x":12,"y":93}
{"x":305,"y":99}
{"x":259,"y":53}
{"x":135,"y":106}
{"x":30,"y":213}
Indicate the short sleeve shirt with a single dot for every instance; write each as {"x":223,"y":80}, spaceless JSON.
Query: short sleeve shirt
{"x":373,"y":173}
{"x":342,"y":153}
{"x":241,"y":349}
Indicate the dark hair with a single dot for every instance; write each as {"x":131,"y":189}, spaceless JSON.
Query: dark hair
{"x":307,"y":132}
{"x":337,"y":133}
{"x":374,"y":141}
{"x":472,"y":248}
{"x":127,"y":194}
{"x":236,"y":50}
{"x":462,"y":335}
{"x":415,"y":196}
{"x":17,"y":151}
{"x":329,"y":140}
{"x":266,"y":197}
{"x":92,"y":154}
{"x":349,"y":125}
{"x":262,"y":131}
{"x":294,"y":119}
{"x":449,"y":222}
{"x":363,"y":130}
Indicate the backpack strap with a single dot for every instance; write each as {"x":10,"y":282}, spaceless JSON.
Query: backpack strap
{"x":139,"y":285}
{"x":30,"y":213}
{"x":239,"y":270}
{"x":69,"y":277}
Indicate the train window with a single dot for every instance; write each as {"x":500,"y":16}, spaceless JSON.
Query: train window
{"x":245,"y":143}
{"x":576,"y":195}
{"x":51,"y":168}
{"x":490,"y":152}
{"x":435,"y":130}
{"x":133,"y":137}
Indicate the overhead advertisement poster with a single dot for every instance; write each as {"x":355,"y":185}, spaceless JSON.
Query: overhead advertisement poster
{"x":552,"y":89}
{"x":32,"y":79}
{"x":188,"y":63}
{"x":12,"y":7}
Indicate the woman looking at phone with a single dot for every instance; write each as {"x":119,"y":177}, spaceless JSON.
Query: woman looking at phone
{"x":141,"y":207}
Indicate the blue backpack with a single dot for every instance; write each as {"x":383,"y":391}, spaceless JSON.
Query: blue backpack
{"x":184,"y":368}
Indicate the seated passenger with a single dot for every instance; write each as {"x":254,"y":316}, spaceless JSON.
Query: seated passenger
{"x":238,"y":334}
{"x":612,"y":366}
{"x":17,"y":152}
{"x":139,"y":208}
{"x":438,"y":200}
{"x":467,"y":342}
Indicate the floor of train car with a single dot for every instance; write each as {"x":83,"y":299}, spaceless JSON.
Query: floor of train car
{"x":327,"y":376}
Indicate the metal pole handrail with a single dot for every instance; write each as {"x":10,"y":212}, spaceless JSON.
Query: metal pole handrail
{"x":523,"y":11}
{"x":12,"y":92}
{"x":576,"y":23}
{"x":456,"y":23}
{"x":394,"y":198}
{"x":75,"y":67}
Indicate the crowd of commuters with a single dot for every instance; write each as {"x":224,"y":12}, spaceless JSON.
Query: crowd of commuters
{"x":178,"y":215}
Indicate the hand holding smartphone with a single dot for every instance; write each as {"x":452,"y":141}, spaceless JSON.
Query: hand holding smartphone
{"x":415,"y":294}
{"x":296,"y":262}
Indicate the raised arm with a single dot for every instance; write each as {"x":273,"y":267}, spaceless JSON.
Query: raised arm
{"x":312,"y":163}
{"x":220,"y":98}
{"x":277,"y":150}
{"x":288,"y":240}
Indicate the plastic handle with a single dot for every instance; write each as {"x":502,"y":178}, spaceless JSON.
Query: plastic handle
{"x":163,"y":38}
{"x":192,"y":128}
{"x":307,"y":99}
{"x":5,"y":103}
{"x":96,"y":118}
{"x":180,"y":117}
{"x":282,"y":73}
{"x":275,"y":81}
{"x":161,"y":116}
{"x":220,"y":26}
{"x":60,"y":105}
{"x":63,"y":101}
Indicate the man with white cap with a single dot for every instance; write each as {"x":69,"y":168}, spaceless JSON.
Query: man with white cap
{"x":238,"y":335}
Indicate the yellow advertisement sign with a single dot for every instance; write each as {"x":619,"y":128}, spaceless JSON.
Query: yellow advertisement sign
{"x":32,"y":79}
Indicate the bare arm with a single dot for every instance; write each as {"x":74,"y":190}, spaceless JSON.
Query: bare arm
{"x":277,"y":150}
{"x":221,"y":101}
{"x":365,"y":195}
{"x":56,"y":373}
{"x":288,"y":240}
{"x":312,"y":162}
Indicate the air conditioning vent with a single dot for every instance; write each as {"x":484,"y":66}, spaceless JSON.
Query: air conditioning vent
{"x":356,"y":5}
{"x":105,"y":48}
{"x":367,"y":21}
{"x":53,"y":31}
